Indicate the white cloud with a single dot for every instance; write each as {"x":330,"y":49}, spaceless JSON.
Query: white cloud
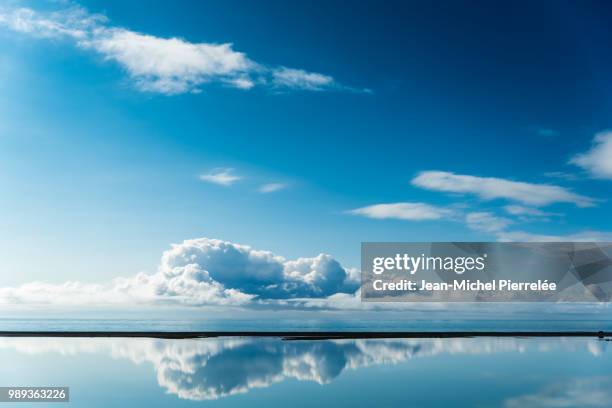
{"x":192,"y":288}
{"x":73,"y":22}
{"x":242,"y":82}
{"x":301,"y":80}
{"x":598,"y":160}
{"x":486,"y":222}
{"x":271,"y":187}
{"x":403,"y":211}
{"x":161,"y":65}
{"x":171,"y":65}
{"x":526,"y":211}
{"x":490,"y":188}
{"x":222,"y":177}
{"x":202,"y":272}
{"x":482,"y":221}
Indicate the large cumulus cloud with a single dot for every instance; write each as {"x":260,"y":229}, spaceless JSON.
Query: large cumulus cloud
{"x":204,"y":271}
{"x":259,"y":274}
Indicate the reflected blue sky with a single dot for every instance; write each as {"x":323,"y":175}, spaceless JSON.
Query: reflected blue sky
{"x":510,"y":372}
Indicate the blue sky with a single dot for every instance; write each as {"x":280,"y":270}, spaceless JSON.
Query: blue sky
{"x":313,"y":129}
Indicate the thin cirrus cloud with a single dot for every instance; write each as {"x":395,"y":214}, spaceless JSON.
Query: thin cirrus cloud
{"x":271,"y":187}
{"x":547,"y":132}
{"x":529,"y":196}
{"x":561,"y":175}
{"x":485,"y":221}
{"x":166,"y":66}
{"x":598,"y":160}
{"x":300,"y":79}
{"x":491,"y":188}
{"x":223,"y":177}
{"x":409,"y":211}
{"x":482,"y":221}
{"x":584,"y":236}
{"x":526,"y":211}
{"x":203,"y":272}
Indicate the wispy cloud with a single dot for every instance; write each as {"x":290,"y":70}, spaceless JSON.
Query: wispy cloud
{"x":272,"y":187}
{"x":73,"y":22}
{"x":526,"y":211}
{"x":172,"y":65}
{"x":299,"y":79}
{"x":403,"y":211}
{"x":490,"y":188}
{"x":561,"y":175}
{"x":222,"y":177}
{"x":584,"y":236}
{"x":486,"y":222}
{"x":598,"y":160}
{"x":498,"y":227}
{"x":161,"y":65}
{"x":547,"y":132}
{"x":577,"y":392}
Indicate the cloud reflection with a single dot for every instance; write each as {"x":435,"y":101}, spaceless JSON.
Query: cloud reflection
{"x":576,"y":392}
{"x":207,"y":369}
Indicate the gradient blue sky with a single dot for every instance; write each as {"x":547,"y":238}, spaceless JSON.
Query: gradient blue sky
{"x":98,"y":176}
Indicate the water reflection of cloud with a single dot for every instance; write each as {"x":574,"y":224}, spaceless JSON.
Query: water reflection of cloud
{"x":203,"y":369}
{"x":576,"y":392}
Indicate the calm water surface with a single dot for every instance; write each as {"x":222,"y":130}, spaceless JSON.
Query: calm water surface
{"x":269,"y":372}
{"x":301,"y":324}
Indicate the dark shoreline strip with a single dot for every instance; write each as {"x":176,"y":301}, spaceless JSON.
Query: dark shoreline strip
{"x":306,"y":335}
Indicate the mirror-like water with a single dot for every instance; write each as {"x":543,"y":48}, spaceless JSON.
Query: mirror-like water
{"x":480,"y":372}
